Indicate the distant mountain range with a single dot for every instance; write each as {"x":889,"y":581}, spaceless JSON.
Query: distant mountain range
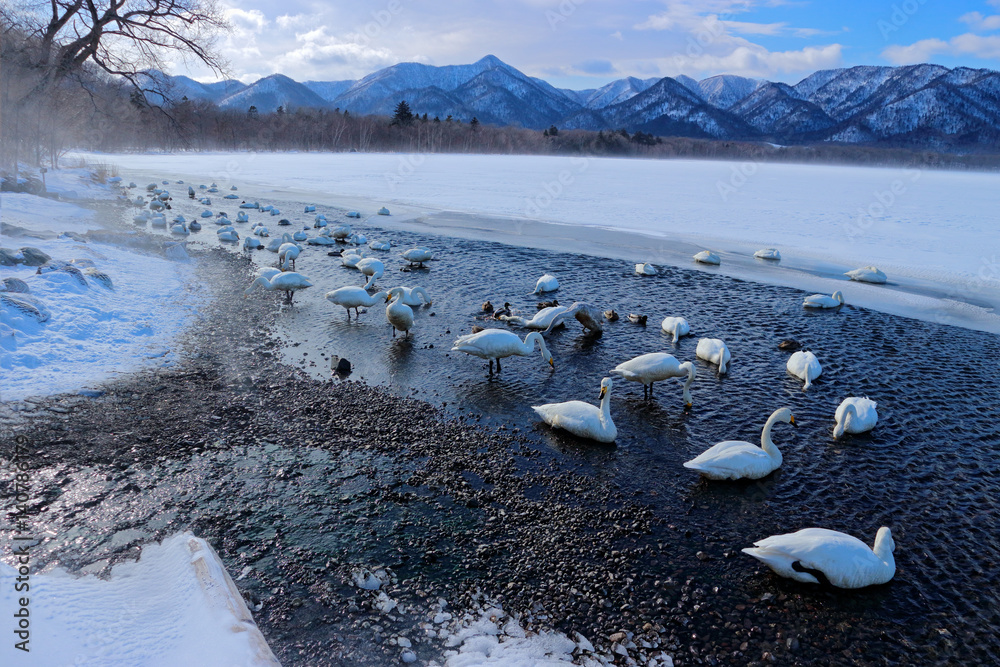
{"x":922,"y":106}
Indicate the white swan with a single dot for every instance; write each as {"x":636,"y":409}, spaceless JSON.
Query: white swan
{"x":228,"y":237}
{"x":735,"y":459}
{"x":824,"y":301}
{"x":677,"y":326}
{"x":383,"y":211}
{"x":867,"y":274}
{"x":842,"y":560}
{"x":242,"y":217}
{"x":350,"y":258}
{"x":341,"y":231}
{"x":277,"y":243}
{"x":400,"y":315}
{"x":654,"y":367}
{"x":373,"y":268}
{"x":714,"y":351}
{"x":498,"y":344}
{"x":855,"y":415}
{"x":261,"y":231}
{"x":299,"y":236}
{"x":582,"y":419}
{"x":645,"y":269}
{"x":379,"y":245}
{"x":417,"y":256}
{"x":251,"y":243}
{"x":354,"y":297}
{"x":287,"y":282}
{"x":707,"y":257}
{"x":768,"y":253}
{"x":287,"y":254}
{"x":589,"y":316}
{"x":547,"y":283}
{"x":543,"y":319}
{"x":267,"y":272}
{"x":179,"y":228}
{"x":415,"y":296}
{"x":310,"y":208}
{"x":804,"y":365}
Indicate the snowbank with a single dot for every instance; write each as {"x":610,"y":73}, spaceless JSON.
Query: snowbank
{"x":176,"y":605}
{"x":930,"y":231}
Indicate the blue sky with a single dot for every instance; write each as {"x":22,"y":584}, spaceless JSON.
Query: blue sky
{"x":587,"y":43}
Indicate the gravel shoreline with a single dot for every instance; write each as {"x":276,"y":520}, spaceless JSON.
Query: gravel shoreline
{"x":564,"y":550}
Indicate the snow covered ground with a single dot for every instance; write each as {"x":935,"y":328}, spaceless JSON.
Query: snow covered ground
{"x":91,"y":332}
{"x":175,"y":606}
{"x":932,"y":232}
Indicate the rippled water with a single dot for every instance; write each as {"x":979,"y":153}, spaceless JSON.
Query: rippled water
{"x":930,"y":469}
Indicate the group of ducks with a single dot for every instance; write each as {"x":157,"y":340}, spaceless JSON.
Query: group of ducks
{"x":812,"y":555}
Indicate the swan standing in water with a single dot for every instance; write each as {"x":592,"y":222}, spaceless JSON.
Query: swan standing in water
{"x":400,"y":315}
{"x":373,"y":268}
{"x":547,"y":283}
{"x":582,"y":419}
{"x":654,"y":367}
{"x":415,"y":296}
{"x":736,"y":459}
{"x":288,"y":282}
{"x":354,"y":297}
{"x":812,"y":555}
{"x":498,"y":344}
{"x":677,"y":326}
{"x":824,"y":301}
{"x":855,"y":415}
{"x":287,"y":254}
{"x":804,"y":365}
{"x":714,"y":351}
{"x":418,"y":256}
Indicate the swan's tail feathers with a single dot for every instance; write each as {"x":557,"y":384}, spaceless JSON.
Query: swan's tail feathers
{"x":616,"y":371}
{"x":692,"y":466}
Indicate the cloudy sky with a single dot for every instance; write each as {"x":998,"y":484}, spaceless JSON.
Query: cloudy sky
{"x":587,"y":43}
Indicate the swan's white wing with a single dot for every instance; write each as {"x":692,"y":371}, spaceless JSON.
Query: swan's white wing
{"x":732,"y":459}
{"x":846,"y":561}
{"x":579,"y":418}
{"x":490,"y":343}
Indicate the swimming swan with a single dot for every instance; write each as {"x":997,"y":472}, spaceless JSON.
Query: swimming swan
{"x":736,"y":459}
{"x":842,"y":560}
{"x":547,"y":283}
{"x":543,"y":319}
{"x":582,"y":419}
{"x":400,"y":315}
{"x":677,"y":326}
{"x":417,"y":256}
{"x":498,"y":344}
{"x":354,"y":297}
{"x":654,"y":367}
{"x":855,"y":415}
{"x":587,"y":315}
{"x":804,"y":365}
{"x":714,"y":351}
{"x":824,"y":301}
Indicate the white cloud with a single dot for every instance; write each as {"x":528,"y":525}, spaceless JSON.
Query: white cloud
{"x":743,"y":28}
{"x":968,"y":44}
{"x":981,"y":23}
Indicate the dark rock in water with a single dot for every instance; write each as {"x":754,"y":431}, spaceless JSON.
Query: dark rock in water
{"x":9,"y":257}
{"x":340,"y":366}
{"x":789,"y":345}
{"x":284,"y":222}
{"x":16,"y":285}
{"x":34,"y":256}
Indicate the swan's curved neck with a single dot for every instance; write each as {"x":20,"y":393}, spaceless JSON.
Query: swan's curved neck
{"x":849,"y":410}
{"x":687,"y":383}
{"x":606,"y":406}
{"x":765,"y":439}
{"x":529,"y":343}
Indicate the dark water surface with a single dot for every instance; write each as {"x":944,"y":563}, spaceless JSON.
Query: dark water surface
{"x":930,"y":470}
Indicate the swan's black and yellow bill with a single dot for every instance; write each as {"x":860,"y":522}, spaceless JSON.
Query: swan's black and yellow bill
{"x":792,"y":421}
{"x":552,"y":363}
{"x":604,"y":390}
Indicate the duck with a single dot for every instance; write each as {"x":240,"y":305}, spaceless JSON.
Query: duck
{"x":637,"y":319}
{"x":611,"y":315}
{"x":547,"y":283}
{"x":855,"y":415}
{"x":194,"y":226}
{"x":415,"y":296}
{"x":373,"y":268}
{"x":714,"y":351}
{"x":583,"y":419}
{"x":814,"y":555}
{"x":736,"y":459}
{"x":653,"y":367}
{"x":824,"y":301}
{"x":768,"y":253}
{"x":400,"y":315}
{"x":789,"y":345}
{"x":288,"y":282}
{"x":867,"y":274}
{"x":677,"y":326}
{"x":546,"y":304}
{"x":487,"y":307}
{"x":499,"y":343}
{"x":645,"y":269}
{"x":804,"y":365}
{"x":543,"y":320}
{"x":707,"y":257}
{"x":354,"y":297}
{"x":417,"y":256}
{"x":500,"y":313}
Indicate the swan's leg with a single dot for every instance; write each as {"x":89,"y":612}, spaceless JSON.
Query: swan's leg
{"x":498,"y":364}
{"x":651,"y":390}
{"x":491,"y":367}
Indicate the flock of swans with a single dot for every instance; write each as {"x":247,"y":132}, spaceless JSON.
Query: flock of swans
{"x":810,"y":555}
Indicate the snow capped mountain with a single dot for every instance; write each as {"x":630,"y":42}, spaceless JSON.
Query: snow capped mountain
{"x":918,"y":105}
{"x":270,"y":93}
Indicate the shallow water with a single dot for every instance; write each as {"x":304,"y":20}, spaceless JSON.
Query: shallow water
{"x":930,"y":469}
